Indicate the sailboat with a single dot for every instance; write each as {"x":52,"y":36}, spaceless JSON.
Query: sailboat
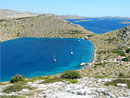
{"x":71,"y":52}
{"x":54,"y":60}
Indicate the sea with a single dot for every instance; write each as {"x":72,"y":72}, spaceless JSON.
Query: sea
{"x":100,"y":25}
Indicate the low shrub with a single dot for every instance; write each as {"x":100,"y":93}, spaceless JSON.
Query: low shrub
{"x":121,"y":74}
{"x":70,"y":74}
{"x":37,"y":78}
{"x":114,"y":82}
{"x":4,"y":96}
{"x":51,"y":80}
{"x":102,"y":76}
{"x":126,"y":59}
{"x":17,"y":78}
{"x":3,"y":83}
{"x":128,"y":50}
{"x":16,"y":87}
{"x":73,"y":81}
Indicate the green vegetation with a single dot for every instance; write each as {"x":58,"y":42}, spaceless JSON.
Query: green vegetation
{"x":111,"y":40}
{"x":128,"y":50}
{"x":1,"y":20}
{"x":70,"y":74}
{"x":58,"y":79}
{"x":17,"y":78}
{"x":114,"y":82}
{"x":126,"y":59}
{"x":103,"y":76}
{"x":37,"y":78}
{"x":100,"y":64}
{"x":119,"y":52}
{"x":76,"y":32}
{"x":51,"y":80}
{"x":17,"y":87}
{"x":72,"y":81}
{"x":90,"y":35}
{"x":3,"y":83}
{"x":4,"y":96}
{"x":121,"y":75}
{"x":18,"y":34}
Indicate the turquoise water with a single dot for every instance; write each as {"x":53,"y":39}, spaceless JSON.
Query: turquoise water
{"x":33,"y":57}
{"x":100,"y":26}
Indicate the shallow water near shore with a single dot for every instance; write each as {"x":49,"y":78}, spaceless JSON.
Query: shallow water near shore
{"x":100,"y":25}
{"x":33,"y":57}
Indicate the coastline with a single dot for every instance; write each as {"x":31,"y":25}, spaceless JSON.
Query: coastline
{"x":94,"y":55}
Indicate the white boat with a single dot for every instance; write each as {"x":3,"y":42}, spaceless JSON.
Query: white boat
{"x":71,"y":53}
{"x":54,"y":60}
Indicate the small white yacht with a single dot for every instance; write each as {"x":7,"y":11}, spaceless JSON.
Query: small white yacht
{"x":54,"y":60}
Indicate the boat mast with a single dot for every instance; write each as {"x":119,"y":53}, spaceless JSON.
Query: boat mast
{"x":54,"y":59}
{"x":71,"y":52}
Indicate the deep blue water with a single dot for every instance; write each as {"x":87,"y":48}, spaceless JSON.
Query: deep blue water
{"x":34,"y":56}
{"x":100,"y":26}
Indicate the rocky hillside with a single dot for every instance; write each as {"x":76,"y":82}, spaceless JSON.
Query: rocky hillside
{"x":45,"y":25}
{"x":125,"y":35}
{"x":6,"y":13}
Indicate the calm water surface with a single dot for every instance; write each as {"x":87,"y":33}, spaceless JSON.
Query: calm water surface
{"x":100,"y":26}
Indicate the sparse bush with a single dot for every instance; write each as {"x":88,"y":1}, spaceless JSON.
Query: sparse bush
{"x":114,"y":82}
{"x":121,"y":74}
{"x":16,"y":87}
{"x":128,"y":50}
{"x":73,"y":81}
{"x":90,"y":35}
{"x":70,"y":74}
{"x":17,"y":78}
{"x":4,"y":96}
{"x":18,"y":34}
{"x":51,"y":80}
{"x":126,"y":59}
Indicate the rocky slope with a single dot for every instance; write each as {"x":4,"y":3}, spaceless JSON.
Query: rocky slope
{"x":84,"y":88}
{"x":124,"y":34}
{"x":6,"y":13}
{"x":107,"y":46}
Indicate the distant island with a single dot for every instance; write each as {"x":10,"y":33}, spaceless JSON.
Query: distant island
{"x":7,"y":13}
{"x":83,"y":20}
{"x":125,"y":22}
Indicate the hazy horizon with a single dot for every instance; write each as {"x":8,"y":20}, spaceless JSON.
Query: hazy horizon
{"x":86,"y":8}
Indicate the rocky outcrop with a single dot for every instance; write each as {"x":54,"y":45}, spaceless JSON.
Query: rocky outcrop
{"x":124,"y":34}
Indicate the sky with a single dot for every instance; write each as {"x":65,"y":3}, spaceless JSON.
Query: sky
{"x":90,"y":8}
